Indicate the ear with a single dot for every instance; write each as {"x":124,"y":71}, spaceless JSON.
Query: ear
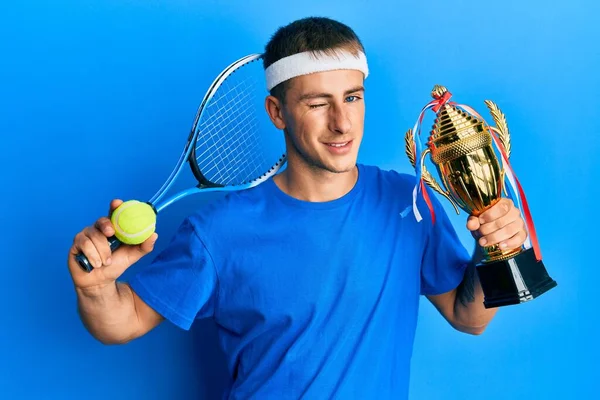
{"x":275,"y":111}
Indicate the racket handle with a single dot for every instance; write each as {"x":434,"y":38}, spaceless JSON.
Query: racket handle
{"x":85,"y":264}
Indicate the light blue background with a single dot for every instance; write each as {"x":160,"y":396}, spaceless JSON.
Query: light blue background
{"x":97,"y":97}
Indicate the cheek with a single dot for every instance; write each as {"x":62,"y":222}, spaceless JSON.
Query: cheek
{"x":358,"y":114}
{"x":310,"y":125}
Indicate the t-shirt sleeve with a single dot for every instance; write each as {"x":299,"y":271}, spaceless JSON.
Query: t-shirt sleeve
{"x":445,"y":258}
{"x":181,"y":283}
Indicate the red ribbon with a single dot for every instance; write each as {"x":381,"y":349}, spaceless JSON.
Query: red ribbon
{"x":526,"y":211}
{"x":437,"y":103}
{"x":441,"y":100}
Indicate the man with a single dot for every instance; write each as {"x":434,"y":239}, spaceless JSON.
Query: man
{"x":313,"y":277}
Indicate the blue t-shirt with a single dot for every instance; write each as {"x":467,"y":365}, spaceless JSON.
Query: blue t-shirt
{"x":311,"y":299}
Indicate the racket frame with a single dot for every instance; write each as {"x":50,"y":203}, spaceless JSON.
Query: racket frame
{"x":203,"y":184}
{"x":188,"y":153}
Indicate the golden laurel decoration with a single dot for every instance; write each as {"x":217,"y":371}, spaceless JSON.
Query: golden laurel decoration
{"x":427,"y":178}
{"x":501,"y":125}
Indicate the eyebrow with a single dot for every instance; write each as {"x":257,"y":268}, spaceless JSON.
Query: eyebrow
{"x":308,"y":96}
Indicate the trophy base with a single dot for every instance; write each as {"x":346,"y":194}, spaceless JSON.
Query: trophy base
{"x":513,"y":281}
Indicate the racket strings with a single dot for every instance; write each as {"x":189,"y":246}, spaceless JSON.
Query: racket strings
{"x":212,"y":125}
{"x":244,"y":140}
{"x":223,"y":150}
{"x":230,"y":149}
{"x":217,"y":128}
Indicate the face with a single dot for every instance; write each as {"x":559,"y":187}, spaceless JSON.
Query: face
{"x":323,"y":119}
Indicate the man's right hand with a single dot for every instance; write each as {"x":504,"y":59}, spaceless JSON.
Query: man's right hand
{"x":108,"y":267}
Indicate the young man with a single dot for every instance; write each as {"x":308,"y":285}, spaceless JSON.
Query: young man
{"x":313,"y":277}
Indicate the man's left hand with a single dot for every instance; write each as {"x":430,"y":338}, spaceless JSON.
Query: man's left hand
{"x":501,"y":224}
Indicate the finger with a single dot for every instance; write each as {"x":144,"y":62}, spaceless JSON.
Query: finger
{"x":501,"y":235}
{"x":515,"y":241}
{"x":498,"y":210}
{"x":489,"y":227}
{"x":84,"y":245}
{"x":105,"y":226}
{"x":101,"y":243}
{"x":113,"y":205}
{"x":473,"y":223}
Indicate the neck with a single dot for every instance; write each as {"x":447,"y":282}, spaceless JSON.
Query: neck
{"x":315,"y":184}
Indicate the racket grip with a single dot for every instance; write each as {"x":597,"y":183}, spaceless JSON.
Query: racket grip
{"x":85,"y":264}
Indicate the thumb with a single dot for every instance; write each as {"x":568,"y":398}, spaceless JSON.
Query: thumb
{"x":134,"y":253}
{"x":148,"y":245}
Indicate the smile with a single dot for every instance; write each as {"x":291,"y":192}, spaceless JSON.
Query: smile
{"x":339,"y":148}
{"x":337,"y":144}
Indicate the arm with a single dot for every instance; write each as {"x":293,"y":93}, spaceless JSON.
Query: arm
{"x":463,"y":306}
{"x":109,"y":310}
{"x":114,"y":314}
{"x":179,"y":285}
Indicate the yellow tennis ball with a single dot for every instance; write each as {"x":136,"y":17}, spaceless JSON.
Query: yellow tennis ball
{"x":134,"y":221}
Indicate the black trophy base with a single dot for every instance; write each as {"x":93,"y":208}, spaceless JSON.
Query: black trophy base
{"x":513,"y":281}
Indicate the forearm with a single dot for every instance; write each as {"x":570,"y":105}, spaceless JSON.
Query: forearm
{"x":470,"y":315}
{"x":109,"y":313}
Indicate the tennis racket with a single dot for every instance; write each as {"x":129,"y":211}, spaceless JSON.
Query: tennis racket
{"x":233,"y":144}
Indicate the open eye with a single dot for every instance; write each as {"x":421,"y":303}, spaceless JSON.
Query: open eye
{"x":351,"y":99}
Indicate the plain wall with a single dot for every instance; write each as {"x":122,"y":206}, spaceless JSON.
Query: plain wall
{"x":97,"y":98}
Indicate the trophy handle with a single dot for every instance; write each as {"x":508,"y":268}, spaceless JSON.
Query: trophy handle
{"x":427,"y":177}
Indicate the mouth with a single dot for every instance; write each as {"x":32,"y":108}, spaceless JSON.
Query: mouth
{"x":339,"y":147}
{"x":342,"y":144}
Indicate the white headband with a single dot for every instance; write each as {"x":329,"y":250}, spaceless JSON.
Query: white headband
{"x":307,"y":63}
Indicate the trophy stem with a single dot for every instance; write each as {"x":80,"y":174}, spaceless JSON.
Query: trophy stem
{"x":495,"y":253}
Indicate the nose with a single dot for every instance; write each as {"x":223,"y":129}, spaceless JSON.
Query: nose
{"x":339,"y":120}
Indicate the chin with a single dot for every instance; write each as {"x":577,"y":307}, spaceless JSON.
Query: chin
{"x":340,"y":167}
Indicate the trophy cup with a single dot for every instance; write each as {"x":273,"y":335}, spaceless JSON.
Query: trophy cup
{"x":460,"y":146}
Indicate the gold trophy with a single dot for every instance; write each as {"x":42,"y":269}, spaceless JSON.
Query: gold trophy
{"x":460,"y":146}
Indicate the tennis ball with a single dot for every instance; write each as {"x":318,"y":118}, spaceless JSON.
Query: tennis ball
{"x":134,"y":221}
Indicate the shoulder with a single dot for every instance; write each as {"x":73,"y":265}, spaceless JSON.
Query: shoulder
{"x":388,"y":178}
{"x":229,"y":210}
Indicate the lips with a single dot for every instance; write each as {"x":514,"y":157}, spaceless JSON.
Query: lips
{"x":339,"y":147}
